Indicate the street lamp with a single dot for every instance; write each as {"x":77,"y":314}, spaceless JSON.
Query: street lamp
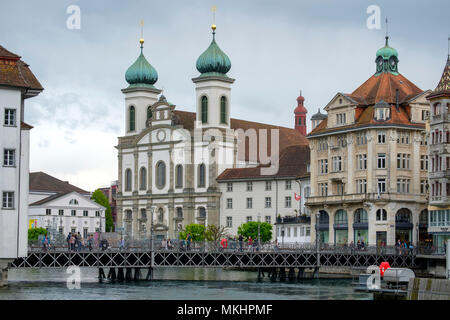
{"x":259,"y":229}
{"x":317,"y":236}
{"x":282,"y":232}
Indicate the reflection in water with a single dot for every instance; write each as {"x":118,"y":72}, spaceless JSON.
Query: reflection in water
{"x":172,"y":284}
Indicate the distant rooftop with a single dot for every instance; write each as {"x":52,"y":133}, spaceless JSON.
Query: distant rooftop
{"x":41,"y":181}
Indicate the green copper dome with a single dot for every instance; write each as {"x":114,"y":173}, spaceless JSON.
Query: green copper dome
{"x":213,"y":62}
{"x":141,"y":73}
{"x":387,"y":60}
{"x":386,"y":52}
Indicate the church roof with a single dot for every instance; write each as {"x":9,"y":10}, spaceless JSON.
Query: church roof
{"x":443,"y":87}
{"x":15,"y":73}
{"x":292,"y":163}
{"x":141,"y":73}
{"x":213,"y":62}
{"x":41,"y":181}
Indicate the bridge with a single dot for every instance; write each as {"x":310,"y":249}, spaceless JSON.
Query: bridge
{"x":264,"y":259}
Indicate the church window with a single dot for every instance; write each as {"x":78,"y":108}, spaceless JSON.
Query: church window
{"x":143,"y":179}
{"x":160,"y":174}
{"x":132,"y":119}
{"x":128,"y":180}
{"x":204,"y":109}
{"x":179,"y":176}
{"x":201,"y":175}
{"x":223,"y":110}
{"x":149,"y":113}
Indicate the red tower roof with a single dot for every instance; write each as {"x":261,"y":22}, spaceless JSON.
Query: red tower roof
{"x":300,"y":106}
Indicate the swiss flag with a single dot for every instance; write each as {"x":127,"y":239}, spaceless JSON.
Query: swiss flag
{"x":297,"y":197}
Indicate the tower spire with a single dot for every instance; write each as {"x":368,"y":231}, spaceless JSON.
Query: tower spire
{"x":141,"y":40}
{"x":213,"y":26}
{"x":387,"y":32}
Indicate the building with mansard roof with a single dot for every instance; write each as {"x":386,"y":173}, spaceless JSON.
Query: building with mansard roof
{"x":169,"y":159}
{"x":369,"y":161}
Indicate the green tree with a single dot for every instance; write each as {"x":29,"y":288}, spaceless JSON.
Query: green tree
{"x":33,"y":234}
{"x":197,"y":232}
{"x":215,"y":233}
{"x":99,"y":197}
{"x":250,"y":229}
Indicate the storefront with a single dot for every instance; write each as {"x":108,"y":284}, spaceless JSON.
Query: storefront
{"x":439,"y":227}
{"x":403,"y":226}
{"x":324,"y":227}
{"x":361,"y":227}
{"x":340,"y":227}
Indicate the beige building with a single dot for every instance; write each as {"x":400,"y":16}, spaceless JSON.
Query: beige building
{"x":369,"y":161}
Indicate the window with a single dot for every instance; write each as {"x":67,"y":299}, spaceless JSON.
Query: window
{"x":403,"y":161}
{"x":403,"y":137}
{"x":249,"y":218}
{"x":361,"y":138}
{"x":160,"y":174}
{"x":74,"y":230}
{"x":268,"y":219}
{"x":322,"y":144}
{"x":423,"y":186}
{"x":381,"y":215}
{"x":61,"y":230}
{"x":382,"y":136}
{"x":85,"y":213}
{"x":61,"y":212}
{"x":73,"y":202}
{"x":48,"y":212}
{"x":149,"y":112}
{"x":340,"y":217}
{"x":323,"y":166}
{"x":229,"y":187}
{"x":268,"y":185}
{"x":323,"y":189}
{"x":179,"y":176}
{"x":425,"y":115}
{"x":306,"y":192}
{"x":403,"y":185}
{"x":361,"y":161}
{"x":223,"y":110}
{"x":361,"y":216}
{"x":143,"y":179}
{"x":73,"y":213}
{"x":249,"y":186}
{"x":160,"y":215}
{"x":381,"y":185}
{"x":340,"y":188}
{"x":9,"y":157}
{"x":179,"y":212}
{"x":337,"y":164}
{"x":204,"y":109}
{"x":340,"y":118}
{"x":361,"y":186}
{"x":10,"y":117}
{"x":201,"y":175}
{"x":132,"y":119}
{"x":229,"y":203}
{"x":128,"y":180}
{"x":287,"y":202}
{"x":249,"y":203}
{"x":288,"y":184}
{"x":308,"y":232}
{"x":341,"y":141}
{"x":97,"y":213}
{"x":381,"y":161}
{"x":202,"y":212}
{"x":424,"y":162}
{"x":229,"y":222}
{"x":268,"y":202}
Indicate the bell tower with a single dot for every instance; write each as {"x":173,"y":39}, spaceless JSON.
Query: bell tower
{"x":300,"y":115}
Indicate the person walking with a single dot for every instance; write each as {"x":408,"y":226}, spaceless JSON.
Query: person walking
{"x":72,"y":242}
{"x":250,"y":244}
{"x":45,"y":243}
{"x":241,"y":239}
{"x":189,"y":239}
{"x":68,"y":240}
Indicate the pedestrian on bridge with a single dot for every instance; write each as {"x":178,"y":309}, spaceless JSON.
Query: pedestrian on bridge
{"x":241,"y":240}
{"x":189,"y":240}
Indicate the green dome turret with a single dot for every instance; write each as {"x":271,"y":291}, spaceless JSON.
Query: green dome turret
{"x":213,"y":62}
{"x":387,"y":60}
{"x":141,"y":73}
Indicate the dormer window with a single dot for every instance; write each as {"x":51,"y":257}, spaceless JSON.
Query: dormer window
{"x":73,"y":202}
{"x":382,"y":111}
{"x":340,"y":119}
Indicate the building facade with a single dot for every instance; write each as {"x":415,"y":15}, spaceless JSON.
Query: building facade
{"x":110,"y":193}
{"x":17,"y":83}
{"x":369,"y":161}
{"x":293,"y":230}
{"x":169,"y":159}
{"x":439,"y":155}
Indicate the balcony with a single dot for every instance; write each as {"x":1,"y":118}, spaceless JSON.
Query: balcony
{"x":440,"y":201}
{"x":364,"y":197}
{"x":440,"y":148}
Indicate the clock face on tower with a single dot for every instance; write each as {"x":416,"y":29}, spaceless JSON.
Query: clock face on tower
{"x":379,"y":63}
{"x":393,"y":64}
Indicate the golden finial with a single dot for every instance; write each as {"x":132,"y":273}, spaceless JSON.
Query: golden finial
{"x":213,"y":9}
{"x":141,"y":40}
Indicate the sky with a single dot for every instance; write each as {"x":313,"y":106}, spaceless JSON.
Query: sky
{"x":276,"y":48}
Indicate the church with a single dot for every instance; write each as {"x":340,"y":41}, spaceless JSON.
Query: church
{"x":169,"y":160}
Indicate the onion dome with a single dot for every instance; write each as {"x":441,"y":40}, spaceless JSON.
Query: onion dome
{"x":387,"y":59}
{"x":213,"y":62}
{"x":141,"y":73}
{"x":300,"y":106}
{"x":443,"y":87}
{"x":318,"y":116}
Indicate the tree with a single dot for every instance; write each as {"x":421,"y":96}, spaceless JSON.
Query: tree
{"x":215,"y":233}
{"x":33,"y":234}
{"x":99,"y":197}
{"x":250,"y":229}
{"x":197,"y":232}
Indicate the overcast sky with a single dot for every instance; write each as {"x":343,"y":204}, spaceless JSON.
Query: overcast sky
{"x":276,"y":48}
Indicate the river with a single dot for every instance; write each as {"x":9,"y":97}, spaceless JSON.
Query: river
{"x":174,"y":284}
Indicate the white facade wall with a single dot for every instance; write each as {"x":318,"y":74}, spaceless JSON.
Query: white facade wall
{"x":294,"y":233}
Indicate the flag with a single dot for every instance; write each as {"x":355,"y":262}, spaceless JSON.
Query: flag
{"x":297,"y":197}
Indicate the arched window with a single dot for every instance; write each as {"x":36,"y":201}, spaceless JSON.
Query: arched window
{"x":73,"y":201}
{"x":340,"y":217}
{"x":132,"y":119}
{"x":143,"y":179}
{"x":143,"y":214}
{"x":128,"y":180}
{"x":179,"y":212}
{"x":179,"y":176}
{"x":201,"y":175}
{"x":204,"y":109}
{"x":149,"y":113}
{"x":223,"y":110}
{"x":128,"y":214}
{"x":423,"y":217}
{"x":160,"y":174}
{"x":381,"y":215}
{"x":361,"y":216}
{"x":403,"y":215}
{"x":160,"y":215}
{"x":306,"y":192}
{"x":201,"y":212}
{"x":323,"y":217}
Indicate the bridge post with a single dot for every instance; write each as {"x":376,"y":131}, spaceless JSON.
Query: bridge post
{"x":273,"y":274}
{"x":316,"y":273}
{"x":101,"y":274}
{"x":128,"y":276}
{"x":301,"y":273}
{"x":137,"y":274}
{"x":291,"y":274}
{"x":4,"y":272}
{"x":149,"y":274}
{"x":113,"y":274}
{"x":120,"y":276}
{"x":282,"y":273}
